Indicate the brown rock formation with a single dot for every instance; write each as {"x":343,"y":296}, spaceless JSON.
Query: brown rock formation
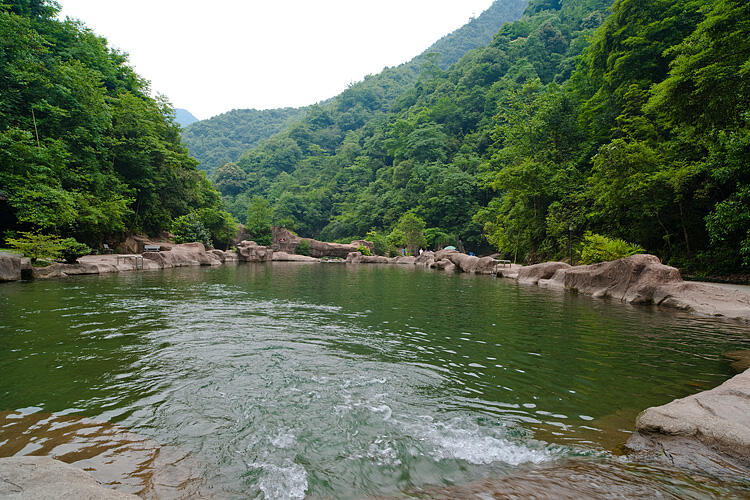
{"x":286,"y":241}
{"x":643,"y":279}
{"x":10,"y":267}
{"x":532,"y":274}
{"x":183,"y":255}
{"x":443,"y":265}
{"x":290,"y":257}
{"x":633,"y":279}
{"x":137,"y":244}
{"x":358,"y":258}
{"x":249,"y":251}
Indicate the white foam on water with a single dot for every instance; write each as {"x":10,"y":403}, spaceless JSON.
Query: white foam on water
{"x":383,"y":453}
{"x":384,"y":409}
{"x":282,"y":483}
{"x":283,"y":440}
{"x":467,"y":441}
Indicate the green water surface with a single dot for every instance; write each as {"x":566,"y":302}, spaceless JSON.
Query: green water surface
{"x":339,"y":381}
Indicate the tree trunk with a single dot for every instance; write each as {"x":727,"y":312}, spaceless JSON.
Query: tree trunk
{"x":684,"y":229}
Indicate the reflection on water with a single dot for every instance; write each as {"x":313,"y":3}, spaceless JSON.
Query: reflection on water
{"x":117,"y":457}
{"x":286,"y":381}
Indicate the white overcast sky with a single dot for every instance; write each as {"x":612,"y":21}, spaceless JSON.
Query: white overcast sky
{"x":213,"y":56}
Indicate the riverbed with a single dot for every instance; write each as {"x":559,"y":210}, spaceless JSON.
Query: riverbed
{"x":327,"y":380}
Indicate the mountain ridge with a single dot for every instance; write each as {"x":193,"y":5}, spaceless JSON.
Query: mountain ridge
{"x":222,"y":138}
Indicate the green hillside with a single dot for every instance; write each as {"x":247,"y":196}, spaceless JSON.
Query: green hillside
{"x":225,"y":137}
{"x":629,"y":121}
{"x":84,"y":151}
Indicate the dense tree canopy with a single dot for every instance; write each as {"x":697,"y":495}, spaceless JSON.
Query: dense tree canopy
{"x":625,"y":119}
{"x":84,"y":150}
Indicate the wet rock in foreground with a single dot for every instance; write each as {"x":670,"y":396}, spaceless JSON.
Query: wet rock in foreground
{"x":47,"y":478}
{"x":708,"y":431}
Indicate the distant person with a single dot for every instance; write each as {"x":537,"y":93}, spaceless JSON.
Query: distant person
{"x":471,"y":253}
{"x":403,"y":251}
{"x":421,"y":251}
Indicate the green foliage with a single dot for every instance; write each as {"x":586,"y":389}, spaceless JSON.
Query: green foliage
{"x":303,"y":248}
{"x":220,"y":224}
{"x":437,"y":238}
{"x":71,"y":250}
{"x":223,"y":138}
{"x":188,"y":228}
{"x":331,"y":173}
{"x":85,"y":151}
{"x":411,"y":228}
{"x":258,"y":222}
{"x":598,"y":248}
{"x":379,"y":242}
{"x":626,"y":118}
{"x":363,"y":250}
{"x":37,"y":246}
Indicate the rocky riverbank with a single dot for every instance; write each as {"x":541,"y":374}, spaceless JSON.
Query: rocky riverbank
{"x":640,"y":279}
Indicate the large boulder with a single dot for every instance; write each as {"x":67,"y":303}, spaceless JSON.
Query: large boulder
{"x":703,"y":430}
{"x":704,"y":298}
{"x":286,"y":241}
{"x":633,"y":279}
{"x":290,"y":257}
{"x":404,"y":260}
{"x":44,"y":478}
{"x":443,"y":265}
{"x":486,"y":265}
{"x":324,"y":249}
{"x":137,"y":244}
{"x":249,"y":251}
{"x":241,"y":235}
{"x":183,"y":255}
{"x":10,"y":267}
{"x":425,"y":259}
{"x":642,"y":279}
{"x":358,"y":258}
{"x":531,"y":275}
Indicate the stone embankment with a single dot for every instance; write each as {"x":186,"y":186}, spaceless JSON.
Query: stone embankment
{"x":15,"y":267}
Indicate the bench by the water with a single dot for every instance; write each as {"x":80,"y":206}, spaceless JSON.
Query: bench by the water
{"x":151,"y":248}
{"x":503,"y":262}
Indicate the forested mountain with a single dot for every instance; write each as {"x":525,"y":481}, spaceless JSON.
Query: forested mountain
{"x":84,"y":151}
{"x":225,"y":137}
{"x":628,"y":120}
{"x":184,"y":117}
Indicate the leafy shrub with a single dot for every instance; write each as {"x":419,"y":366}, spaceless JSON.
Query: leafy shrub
{"x":303,"y":248}
{"x":379,"y":242}
{"x":71,"y":250}
{"x":220,"y":225}
{"x":599,"y":248}
{"x":189,"y":228}
{"x":364,"y":250}
{"x":37,"y":246}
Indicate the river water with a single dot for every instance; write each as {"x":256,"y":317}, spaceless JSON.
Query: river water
{"x":335,"y":381}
